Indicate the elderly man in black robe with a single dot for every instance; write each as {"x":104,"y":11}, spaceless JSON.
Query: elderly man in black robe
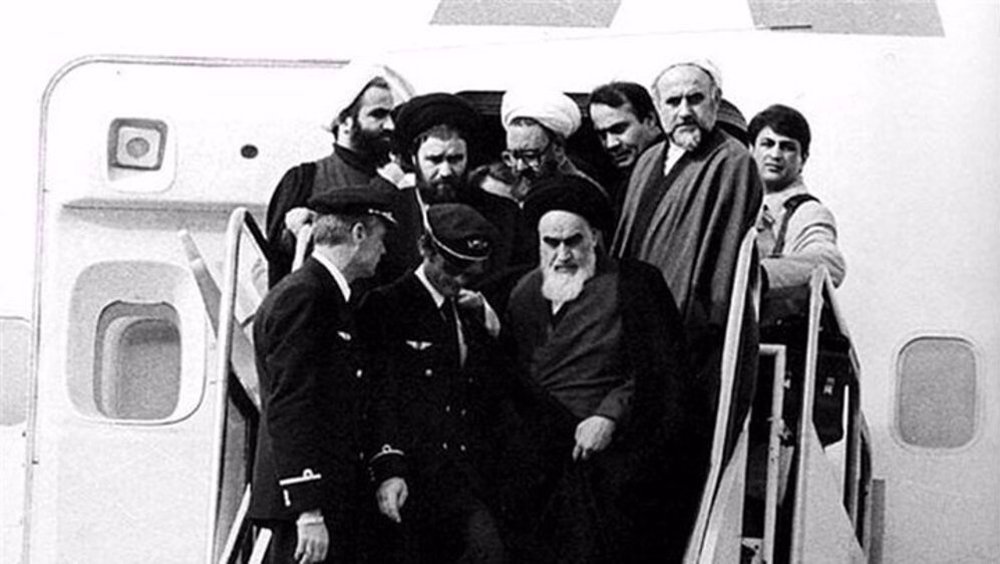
{"x":606,"y":465}
{"x":690,"y":201}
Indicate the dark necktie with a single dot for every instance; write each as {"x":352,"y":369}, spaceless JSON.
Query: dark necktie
{"x":449,"y":312}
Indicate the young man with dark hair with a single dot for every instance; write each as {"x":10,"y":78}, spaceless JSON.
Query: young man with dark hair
{"x":626,"y":124}
{"x":432,"y":410}
{"x":797,"y":233}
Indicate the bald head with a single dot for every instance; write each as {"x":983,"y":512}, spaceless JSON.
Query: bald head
{"x":687,"y":99}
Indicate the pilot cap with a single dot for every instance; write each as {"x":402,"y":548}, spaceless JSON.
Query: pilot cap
{"x":355,"y":200}
{"x":460,"y":232}
{"x":429,"y":110}
{"x":551,"y":108}
{"x":570,"y":193}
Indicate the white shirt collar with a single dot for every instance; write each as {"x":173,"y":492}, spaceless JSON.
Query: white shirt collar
{"x":338,"y":276}
{"x":438,"y":297}
{"x":674,"y":154}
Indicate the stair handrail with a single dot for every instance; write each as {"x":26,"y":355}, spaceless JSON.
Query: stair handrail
{"x":821,"y":291}
{"x":730,"y":360}
{"x":239,"y":220}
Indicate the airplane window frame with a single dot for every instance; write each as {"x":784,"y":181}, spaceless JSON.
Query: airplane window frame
{"x":898,"y":433}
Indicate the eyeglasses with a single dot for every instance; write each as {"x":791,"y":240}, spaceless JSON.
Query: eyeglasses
{"x":530,"y":157}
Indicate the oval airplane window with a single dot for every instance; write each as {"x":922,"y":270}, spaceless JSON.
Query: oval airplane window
{"x":936,"y":401}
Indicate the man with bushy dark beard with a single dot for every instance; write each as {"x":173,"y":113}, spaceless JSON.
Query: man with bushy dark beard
{"x":362,"y":128}
{"x":690,"y":201}
{"x":433,"y":138}
{"x":606,"y":464}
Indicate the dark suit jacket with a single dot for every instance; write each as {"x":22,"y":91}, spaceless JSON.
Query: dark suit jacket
{"x":310,"y":366}
{"x":439,"y":415}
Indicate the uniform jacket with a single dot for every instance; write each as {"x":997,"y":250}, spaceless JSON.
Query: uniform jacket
{"x":310,"y":365}
{"x":429,"y":418}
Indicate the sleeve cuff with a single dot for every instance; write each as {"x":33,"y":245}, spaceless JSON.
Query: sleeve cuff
{"x":388,"y":462}
{"x":300,"y":493}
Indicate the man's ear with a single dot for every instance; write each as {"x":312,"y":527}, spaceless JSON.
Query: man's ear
{"x":359,"y":232}
{"x":345,"y":126}
{"x":559,"y":149}
{"x":598,"y":237}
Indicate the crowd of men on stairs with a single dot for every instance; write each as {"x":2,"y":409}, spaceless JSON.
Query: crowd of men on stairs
{"x":516,"y":361}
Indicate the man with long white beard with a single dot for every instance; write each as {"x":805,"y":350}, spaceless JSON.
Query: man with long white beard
{"x":606,"y":465}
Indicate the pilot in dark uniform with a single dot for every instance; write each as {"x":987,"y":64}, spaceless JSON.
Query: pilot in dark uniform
{"x":308,"y":469}
{"x":431,"y":415}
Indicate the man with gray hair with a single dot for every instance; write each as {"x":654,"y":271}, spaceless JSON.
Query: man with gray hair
{"x":362,"y":128}
{"x":690,"y":201}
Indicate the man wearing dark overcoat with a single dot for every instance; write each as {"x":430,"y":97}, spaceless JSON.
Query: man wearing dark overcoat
{"x":431,"y":416}
{"x":607,"y":465}
{"x":362,"y":129}
{"x":690,"y":201}
{"x":308,"y":472}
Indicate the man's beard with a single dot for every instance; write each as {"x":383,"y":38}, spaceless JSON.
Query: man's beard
{"x":441,"y":191}
{"x":689,"y":138}
{"x":371,"y":144}
{"x":560,"y":287}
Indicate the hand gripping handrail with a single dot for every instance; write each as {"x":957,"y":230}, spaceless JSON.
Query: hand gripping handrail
{"x":239,"y":220}
{"x":730,"y":360}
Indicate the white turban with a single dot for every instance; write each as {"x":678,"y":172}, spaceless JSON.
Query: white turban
{"x":352,"y":79}
{"x":550,"y":108}
{"x":704,"y":64}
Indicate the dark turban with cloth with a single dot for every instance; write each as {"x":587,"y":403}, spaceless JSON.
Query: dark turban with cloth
{"x":573,"y":194}
{"x":417,"y":116}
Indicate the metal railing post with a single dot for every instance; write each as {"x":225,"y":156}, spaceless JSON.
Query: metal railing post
{"x":730,"y":360}
{"x":224,"y":340}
